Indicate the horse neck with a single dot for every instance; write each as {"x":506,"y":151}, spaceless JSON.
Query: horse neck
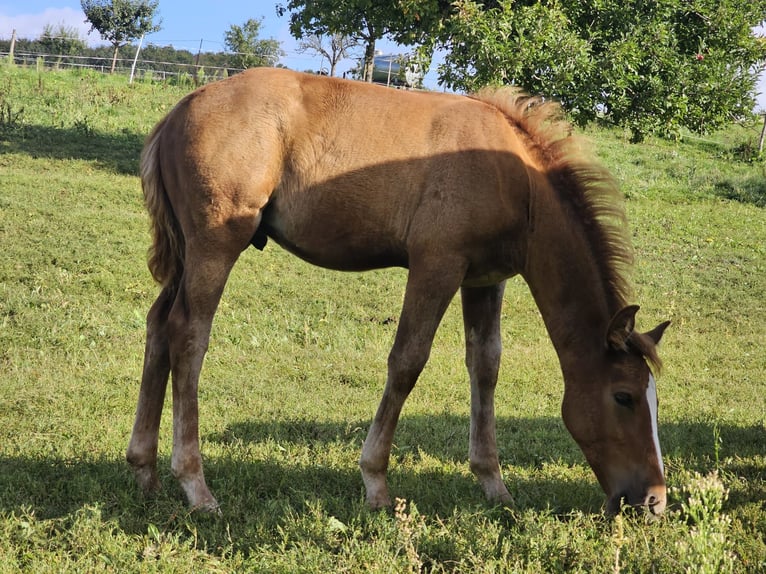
{"x":567,"y":284}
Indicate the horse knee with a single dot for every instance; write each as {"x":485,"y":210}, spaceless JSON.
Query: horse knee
{"x":404,"y":367}
{"x":185,"y":333}
{"x":483,"y":352}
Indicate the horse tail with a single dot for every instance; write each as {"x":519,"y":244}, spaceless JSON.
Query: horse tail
{"x":166,"y":254}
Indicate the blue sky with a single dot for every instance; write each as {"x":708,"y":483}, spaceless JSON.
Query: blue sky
{"x":186,"y":22}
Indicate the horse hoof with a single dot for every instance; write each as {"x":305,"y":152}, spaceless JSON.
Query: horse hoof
{"x":504,"y":500}
{"x":210,"y":508}
{"x":379,"y":502}
{"x":147,"y":479}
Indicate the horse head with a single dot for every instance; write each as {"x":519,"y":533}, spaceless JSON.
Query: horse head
{"x":611,"y":411}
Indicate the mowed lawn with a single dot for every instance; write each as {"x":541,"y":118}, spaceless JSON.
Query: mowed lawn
{"x":297,"y":364}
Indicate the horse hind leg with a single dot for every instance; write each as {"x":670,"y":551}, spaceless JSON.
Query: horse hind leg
{"x":481,"y":318}
{"x":177,"y":335}
{"x":142,"y":449}
{"x":189,"y":325}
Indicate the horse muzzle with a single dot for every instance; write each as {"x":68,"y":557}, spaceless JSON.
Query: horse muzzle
{"x":653,"y":500}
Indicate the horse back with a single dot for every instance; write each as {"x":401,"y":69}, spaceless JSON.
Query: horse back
{"x":346,"y":174}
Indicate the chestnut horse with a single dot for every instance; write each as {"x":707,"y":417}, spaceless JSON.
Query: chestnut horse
{"x":464,"y":192}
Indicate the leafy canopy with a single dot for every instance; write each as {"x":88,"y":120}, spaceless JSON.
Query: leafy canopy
{"x":249,"y":49}
{"x":365,"y":21}
{"x":652,"y":67}
{"x":121,"y":21}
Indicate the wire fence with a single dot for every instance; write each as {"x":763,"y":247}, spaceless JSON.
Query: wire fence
{"x":157,"y":70}
{"x":165,"y":63}
{"x":148,"y":70}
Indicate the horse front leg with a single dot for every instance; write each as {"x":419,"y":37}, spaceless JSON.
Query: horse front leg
{"x":429,"y":290}
{"x":142,"y":449}
{"x":481,"y":318}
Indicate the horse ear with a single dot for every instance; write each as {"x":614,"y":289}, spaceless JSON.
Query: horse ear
{"x":620,"y":328}
{"x":656,"y":333}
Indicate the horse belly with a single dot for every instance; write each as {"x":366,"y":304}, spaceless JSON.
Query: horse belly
{"x":341,"y":243}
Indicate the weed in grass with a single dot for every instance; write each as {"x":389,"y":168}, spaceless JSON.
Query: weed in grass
{"x":411,"y":528}
{"x":618,"y":540}
{"x":9,"y":119}
{"x":707,"y":549}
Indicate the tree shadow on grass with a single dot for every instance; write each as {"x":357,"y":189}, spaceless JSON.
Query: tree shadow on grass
{"x":268,"y":490}
{"x":743,"y":190}
{"x":114,"y":152}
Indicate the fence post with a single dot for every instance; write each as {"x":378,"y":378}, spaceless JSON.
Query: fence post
{"x":763,"y":134}
{"x":196,"y":64}
{"x":13,"y":45}
{"x":135,"y":59}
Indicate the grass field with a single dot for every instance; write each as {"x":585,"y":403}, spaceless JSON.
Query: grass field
{"x":296,"y":367}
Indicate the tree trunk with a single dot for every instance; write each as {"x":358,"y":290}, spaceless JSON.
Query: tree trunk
{"x":369,"y":59}
{"x":114,"y":58}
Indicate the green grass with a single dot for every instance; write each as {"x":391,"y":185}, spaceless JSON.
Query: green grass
{"x":296,"y":368}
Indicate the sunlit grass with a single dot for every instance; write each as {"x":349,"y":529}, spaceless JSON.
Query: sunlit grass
{"x":296,"y":368}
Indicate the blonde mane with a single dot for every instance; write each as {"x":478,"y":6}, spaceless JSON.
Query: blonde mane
{"x":579,"y":179}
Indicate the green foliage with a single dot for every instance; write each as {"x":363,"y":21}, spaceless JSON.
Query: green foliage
{"x":295,"y":371}
{"x":121,"y":21}
{"x":364,"y":21}
{"x":653,"y":67}
{"x":249,"y":50}
{"x":156,"y":61}
{"x":62,"y":40}
{"x":530,"y":46}
{"x":10,"y":117}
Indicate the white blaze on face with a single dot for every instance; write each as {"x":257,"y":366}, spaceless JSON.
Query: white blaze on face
{"x":651,"y":398}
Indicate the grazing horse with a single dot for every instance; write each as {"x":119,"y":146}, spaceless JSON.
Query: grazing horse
{"x":464,"y":192}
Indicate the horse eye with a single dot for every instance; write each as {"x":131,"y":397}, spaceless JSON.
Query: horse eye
{"x":624,"y":399}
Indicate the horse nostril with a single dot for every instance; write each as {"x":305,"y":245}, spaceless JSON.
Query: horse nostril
{"x":655,"y":503}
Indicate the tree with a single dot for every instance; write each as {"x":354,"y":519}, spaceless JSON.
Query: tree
{"x":249,"y":50}
{"x":533,"y":47}
{"x":329,"y":17}
{"x":61,"y":40}
{"x":121,"y":21}
{"x":365,"y":21}
{"x":336,"y":49}
{"x":648,"y":66}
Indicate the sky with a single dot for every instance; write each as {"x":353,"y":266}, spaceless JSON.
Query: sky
{"x":187,"y":22}
{"x":184,"y":25}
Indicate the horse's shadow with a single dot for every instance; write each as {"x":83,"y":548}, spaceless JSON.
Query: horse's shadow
{"x":521,"y":441}
{"x":113,"y":152}
{"x":524,"y":442}
{"x":49,"y":487}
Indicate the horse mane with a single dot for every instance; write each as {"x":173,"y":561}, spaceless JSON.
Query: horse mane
{"x":580,"y":180}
